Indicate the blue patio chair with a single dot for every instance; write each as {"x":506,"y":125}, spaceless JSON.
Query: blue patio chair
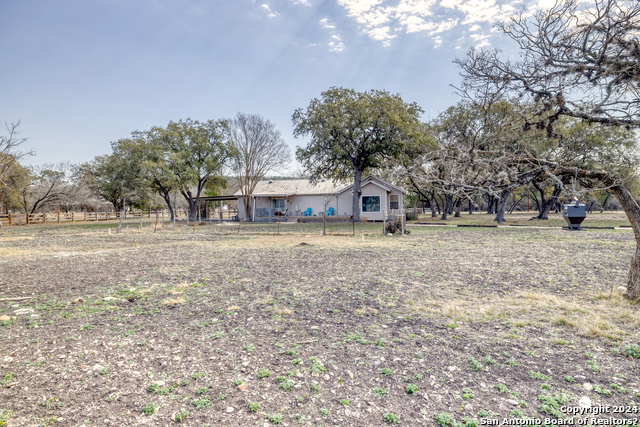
{"x":307,"y":212}
{"x":330,"y":211}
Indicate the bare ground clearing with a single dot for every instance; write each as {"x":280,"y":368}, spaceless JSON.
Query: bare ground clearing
{"x":493,"y":323}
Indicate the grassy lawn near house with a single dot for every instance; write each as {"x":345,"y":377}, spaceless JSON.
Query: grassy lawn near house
{"x":446,"y":326}
{"x":595,"y":219}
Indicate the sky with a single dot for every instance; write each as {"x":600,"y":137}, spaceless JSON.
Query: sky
{"x":80,"y":74}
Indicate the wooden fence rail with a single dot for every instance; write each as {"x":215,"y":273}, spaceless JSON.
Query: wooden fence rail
{"x":66,"y":217}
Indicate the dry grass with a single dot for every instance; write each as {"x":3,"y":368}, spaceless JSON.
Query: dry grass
{"x":283,"y":311}
{"x":366,"y":311}
{"x":233,"y":308}
{"x":611,"y":318}
{"x":174,"y":301}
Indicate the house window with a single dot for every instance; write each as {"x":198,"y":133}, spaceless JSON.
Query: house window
{"x":370,"y":203}
{"x":278,"y":204}
{"x":393,"y":201}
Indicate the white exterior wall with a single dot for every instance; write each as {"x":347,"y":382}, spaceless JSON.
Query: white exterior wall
{"x":345,"y":201}
{"x":374,"y":190}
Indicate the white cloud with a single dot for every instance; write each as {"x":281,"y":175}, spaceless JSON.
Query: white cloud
{"x":325,"y":23}
{"x":480,"y":40}
{"x":270,"y":13}
{"x":437,"y":41}
{"x":383,"y":19}
{"x":336,"y":45}
{"x":302,"y":2}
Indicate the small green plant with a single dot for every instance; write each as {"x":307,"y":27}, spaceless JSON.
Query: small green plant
{"x":286,"y":385}
{"x":475,"y":365}
{"x":594,"y":366}
{"x":517,"y":413}
{"x":503,"y":388}
{"x":4,"y":416}
{"x":419,"y":377}
{"x":52,"y":402}
{"x":344,"y":402}
{"x":511,"y":362}
{"x":203,"y":402}
{"x":411,"y":388}
{"x":467,"y":393}
{"x":445,"y":419}
{"x":314,"y":387}
{"x":569,"y":379}
{"x":222,"y":397}
{"x":316,"y":365}
{"x":546,"y":386}
{"x":386,"y":371}
{"x":324,"y":412}
{"x":380,"y":392}
{"x":254,"y":406}
{"x":263,"y":373}
{"x":237,"y":382}
{"x":380,"y":343}
{"x":632,"y":350}
{"x":539,"y":376}
{"x":149,"y":409}
{"x":551,"y":403}
{"x":8,"y":377}
{"x":275,"y":418}
{"x":104,"y":371}
{"x":602,"y":391}
{"x":618,"y":388}
{"x":181,"y":416}
{"x":163,"y":391}
{"x":296,"y":361}
{"x":470,"y":422}
{"x":391,"y":418}
{"x":153,"y":387}
{"x":488,"y":360}
{"x":202,"y":390}
{"x":197,"y":376}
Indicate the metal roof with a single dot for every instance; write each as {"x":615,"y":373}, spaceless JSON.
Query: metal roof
{"x":290,"y":187}
{"x":302,"y":187}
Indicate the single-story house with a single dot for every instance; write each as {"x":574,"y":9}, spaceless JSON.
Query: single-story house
{"x":290,"y":198}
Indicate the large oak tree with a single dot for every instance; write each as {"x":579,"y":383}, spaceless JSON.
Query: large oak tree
{"x":576,"y":61}
{"x":352,"y":132}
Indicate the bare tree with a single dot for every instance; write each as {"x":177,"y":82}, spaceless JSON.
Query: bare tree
{"x":579,"y":62}
{"x":259,"y":149}
{"x":8,"y":153}
{"x":49,"y":184}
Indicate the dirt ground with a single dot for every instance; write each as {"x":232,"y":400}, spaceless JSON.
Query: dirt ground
{"x":446,"y":326}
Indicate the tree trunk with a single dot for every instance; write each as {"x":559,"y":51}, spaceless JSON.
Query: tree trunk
{"x":504,"y":198}
{"x":355,"y":208}
{"x":490,"y":204}
{"x":433,"y":204}
{"x":458,"y":207}
{"x":167,"y":199}
{"x":447,"y":205}
{"x":549,"y":203}
{"x":470,"y":207}
{"x":632,"y":210}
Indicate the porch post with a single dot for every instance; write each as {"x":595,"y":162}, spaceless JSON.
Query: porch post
{"x":253,"y":209}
